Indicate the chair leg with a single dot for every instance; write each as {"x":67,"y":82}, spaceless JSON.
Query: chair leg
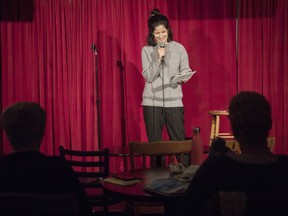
{"x":106,"y":210}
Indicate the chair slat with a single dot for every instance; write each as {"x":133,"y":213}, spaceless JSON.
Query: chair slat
{"x":88,"y":163}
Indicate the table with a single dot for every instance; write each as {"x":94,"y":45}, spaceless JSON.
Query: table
{"x":136,"y":192}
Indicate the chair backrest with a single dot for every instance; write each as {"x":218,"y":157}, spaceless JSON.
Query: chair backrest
{"x":163,"y":148}
{"x":19,"y":204}
{"x":90,"y":166}
{"x":234,"y":145}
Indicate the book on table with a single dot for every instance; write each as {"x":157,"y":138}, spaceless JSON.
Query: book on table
{"x":123,"y":179}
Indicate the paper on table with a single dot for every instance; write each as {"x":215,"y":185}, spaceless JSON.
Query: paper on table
{"x":183,"y":76}
{"x":166,"y":186}
{"x":188,"y":174}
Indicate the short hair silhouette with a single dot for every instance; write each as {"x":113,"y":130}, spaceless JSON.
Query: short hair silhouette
{"x":24,"y":124}
{"x":250,"y":118}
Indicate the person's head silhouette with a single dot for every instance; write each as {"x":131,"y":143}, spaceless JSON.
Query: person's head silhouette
{"x":250,"y":118}
{"x":24,"y":124}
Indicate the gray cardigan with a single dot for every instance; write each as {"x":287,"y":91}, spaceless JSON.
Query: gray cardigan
{"x":176,"y":62}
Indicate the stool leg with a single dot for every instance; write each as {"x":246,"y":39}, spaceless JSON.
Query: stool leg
{"x":217,"y":124}
{"x":212,"y":133}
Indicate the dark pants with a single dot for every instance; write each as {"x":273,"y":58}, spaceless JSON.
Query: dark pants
{"x":156,"y":117}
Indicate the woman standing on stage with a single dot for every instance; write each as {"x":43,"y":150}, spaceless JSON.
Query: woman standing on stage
{"x":162,"y":59}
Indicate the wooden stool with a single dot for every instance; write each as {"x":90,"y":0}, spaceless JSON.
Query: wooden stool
{"x":216,"y":124}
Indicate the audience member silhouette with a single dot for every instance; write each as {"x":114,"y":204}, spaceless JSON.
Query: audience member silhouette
{"x":26,"y":170}
{"x":254,"y":171}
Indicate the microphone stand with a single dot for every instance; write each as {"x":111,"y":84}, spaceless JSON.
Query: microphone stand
{"x":123,"y":120}
{"x":163,"y":85}
{"x":94,"y":49}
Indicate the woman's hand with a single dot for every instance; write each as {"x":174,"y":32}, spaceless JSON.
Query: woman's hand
{"x":161,"y":53}
{"x":182,"y":81}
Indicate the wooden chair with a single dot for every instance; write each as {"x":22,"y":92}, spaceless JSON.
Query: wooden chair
{"x":19,"y":204}
{"x":91,"y":167}
{"x":172,"y":149}
{"x":145,"y":150}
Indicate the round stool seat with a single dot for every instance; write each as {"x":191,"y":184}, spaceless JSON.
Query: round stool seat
{"x":218,"y":112}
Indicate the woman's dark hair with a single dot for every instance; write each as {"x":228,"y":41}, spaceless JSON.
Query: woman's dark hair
{"x":250,"y":118}
{"x":156,"y":19}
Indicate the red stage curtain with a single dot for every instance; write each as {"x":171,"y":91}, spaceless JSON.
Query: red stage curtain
{"x":262,"y":58}
{"x":46,"y":57}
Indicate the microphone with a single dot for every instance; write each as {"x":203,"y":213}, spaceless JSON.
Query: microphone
{"x":162,"y":45}
{"x":93,"y":47}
